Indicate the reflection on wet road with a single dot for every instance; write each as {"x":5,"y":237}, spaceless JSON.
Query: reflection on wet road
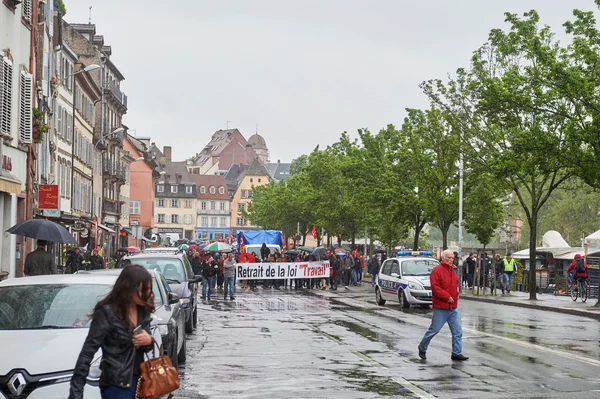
{"x":321,"y":344}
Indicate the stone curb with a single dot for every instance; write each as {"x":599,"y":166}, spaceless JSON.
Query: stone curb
{"x":575,"y":312}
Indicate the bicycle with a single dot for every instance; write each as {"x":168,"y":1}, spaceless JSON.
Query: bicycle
{"x":580,"y":289}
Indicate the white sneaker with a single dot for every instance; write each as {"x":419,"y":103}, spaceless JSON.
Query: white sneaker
{"x":346,"y":287}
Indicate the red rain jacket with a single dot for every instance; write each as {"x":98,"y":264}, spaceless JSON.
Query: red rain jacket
{"x":574,"y":264}
{"x":444,"y":284}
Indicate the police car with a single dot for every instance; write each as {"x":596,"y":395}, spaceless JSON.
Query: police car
{"x":405,"y":279}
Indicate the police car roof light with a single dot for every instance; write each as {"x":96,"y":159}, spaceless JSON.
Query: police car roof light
{"x":414,"y":253}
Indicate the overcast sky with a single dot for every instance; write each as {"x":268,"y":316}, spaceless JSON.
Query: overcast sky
{"x":303,"y":71}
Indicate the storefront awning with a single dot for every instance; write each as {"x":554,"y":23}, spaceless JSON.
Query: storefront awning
{"x":9,"y":183}
{"x":127,"y":230}
{"x":103,"y":227}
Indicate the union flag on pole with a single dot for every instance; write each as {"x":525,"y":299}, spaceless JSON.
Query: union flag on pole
{"x":314,"y":231}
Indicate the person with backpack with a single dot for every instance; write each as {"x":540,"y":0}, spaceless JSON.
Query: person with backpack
{"x":510,"y":267}
{"x":581,"y":269}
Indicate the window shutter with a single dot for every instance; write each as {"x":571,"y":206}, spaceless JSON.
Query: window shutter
{"x":59,"y":117}
{"x":26,"y":111}
{"x":27,"y":10}
{"x":6,"y":68}
{"x":156,"y":218}
{"x":167,"y":218}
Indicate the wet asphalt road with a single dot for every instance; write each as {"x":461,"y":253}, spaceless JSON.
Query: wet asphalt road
{"x":325,"y":344}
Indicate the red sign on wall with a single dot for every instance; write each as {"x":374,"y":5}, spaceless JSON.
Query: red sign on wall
{"x":48,"y":196}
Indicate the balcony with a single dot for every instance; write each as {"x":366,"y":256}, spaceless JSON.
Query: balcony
{"x":118,"y":95}
{"x":115,"y":170}
{"x":111,"y":206}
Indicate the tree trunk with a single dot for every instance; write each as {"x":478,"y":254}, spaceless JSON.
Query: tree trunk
{"x":339,"y":240}
{"x":304,"y":238}
{"x":418,"y":227}
{"x":353,"y":240}
{"x":532,"y":253}
{"x":445,"y":237}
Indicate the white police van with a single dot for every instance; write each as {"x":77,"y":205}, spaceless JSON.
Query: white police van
{"x":405,"y":279}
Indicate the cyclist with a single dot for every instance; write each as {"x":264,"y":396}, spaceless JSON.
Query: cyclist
{"x":581,"y":269}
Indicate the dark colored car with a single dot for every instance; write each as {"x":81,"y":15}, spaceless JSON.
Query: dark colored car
{"x":169,"y":315}
{"x":177,"y":270}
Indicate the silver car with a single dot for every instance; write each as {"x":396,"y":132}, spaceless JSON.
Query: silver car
{"x":43,"y":323}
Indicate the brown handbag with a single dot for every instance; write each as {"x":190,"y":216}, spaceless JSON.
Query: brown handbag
{"x":157,"y":377}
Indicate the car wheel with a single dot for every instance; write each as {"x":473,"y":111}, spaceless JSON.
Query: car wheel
{"x":181,"y":356}
{"x":174,"y":355}
{"x":195,"y":317}
{"x":402,"y":299}
{"x":378,"y":298}
{"x":189,"y":324}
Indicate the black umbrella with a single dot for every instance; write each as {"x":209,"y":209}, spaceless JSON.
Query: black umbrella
{"x":318,"y":252}
{"x":42,"y":229}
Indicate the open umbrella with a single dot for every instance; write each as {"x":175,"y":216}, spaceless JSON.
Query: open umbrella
{"x":340,"y":251}
{"x":318,"y":252}
{"x":305,"y":249}
{"x":218,"y":246}
{"x":42,"y":229}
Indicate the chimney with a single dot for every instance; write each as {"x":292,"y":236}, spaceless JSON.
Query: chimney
{"x":167,"y":152}
{"x":278,"y":161}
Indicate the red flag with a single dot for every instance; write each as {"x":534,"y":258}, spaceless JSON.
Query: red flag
{"x":314,"y":232}
{"x":284,"y":243}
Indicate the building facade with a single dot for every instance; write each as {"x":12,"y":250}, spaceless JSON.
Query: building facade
{"x":213,"y":221}
{"x":175,"y":198}
{"x":18,"y":20}
{"x":255,"y":175}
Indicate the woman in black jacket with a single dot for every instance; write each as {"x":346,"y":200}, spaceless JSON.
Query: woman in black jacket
{"x":114,"y":319}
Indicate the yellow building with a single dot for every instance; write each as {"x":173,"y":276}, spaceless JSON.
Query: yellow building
{"x":255,"y":175}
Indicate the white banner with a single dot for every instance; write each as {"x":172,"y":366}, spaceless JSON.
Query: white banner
{"x":283,"y":270}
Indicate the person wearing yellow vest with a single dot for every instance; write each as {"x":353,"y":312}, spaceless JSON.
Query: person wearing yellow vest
{"x":510,"y":267}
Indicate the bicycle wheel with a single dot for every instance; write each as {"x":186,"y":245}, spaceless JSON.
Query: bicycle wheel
{"x":573,"y":291}
{"x":583,"y":289}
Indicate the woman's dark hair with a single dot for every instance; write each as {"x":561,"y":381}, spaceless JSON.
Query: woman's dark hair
{"x":123,"y":291}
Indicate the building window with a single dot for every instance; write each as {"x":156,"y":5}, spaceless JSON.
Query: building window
{"x":188,"y":203}
{"x":241,"y":207}
{"x":203,"y":205}
{"x":134,"y":207}
{"x":249,"y":193}
{"x":6,"y":72}
{"x":244,"y":194}
{"x":213,"y":205}
{"x":259,"y":179}
{"x":188,"y":189}
{"x":160,"y":188}
{"x":160,"y":203}
{"x":221,"y":190}
{"x":204,"y":221}
{"x":174,"y":203}
{"x":213,"y":221}
{"x":212,"y":189}
{"x":175,"y":219}
{"x":241,"y":221}
{"x":222,"y":205}
{"x":202,"y":190}
{"x":161,"y":218}
{"x":251,"y":180}
{"x":188,"y":219}
{"x":174,"y":189}
{"x":223,"y":221}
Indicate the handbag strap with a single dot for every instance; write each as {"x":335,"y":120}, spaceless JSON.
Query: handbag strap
{"x":154,"y":347}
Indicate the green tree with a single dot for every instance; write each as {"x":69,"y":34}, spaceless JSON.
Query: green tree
{"x":484,"y":212}
{"x":60,"y":6}
{"x":502,"y":105}
{"x":297,"y":164}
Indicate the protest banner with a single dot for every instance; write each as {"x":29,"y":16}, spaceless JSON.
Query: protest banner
{"x":283,"y":270}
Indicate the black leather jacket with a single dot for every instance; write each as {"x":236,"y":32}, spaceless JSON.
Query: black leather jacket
{"x":118,"y":353}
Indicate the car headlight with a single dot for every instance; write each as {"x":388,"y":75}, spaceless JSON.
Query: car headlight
{"x":93,"y":377}
{"x":185,"y":302}
{"x":163,"y":329}
{"x":415,"y":286}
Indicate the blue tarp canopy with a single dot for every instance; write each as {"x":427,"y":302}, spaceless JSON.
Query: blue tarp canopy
{"x":260,"y":236}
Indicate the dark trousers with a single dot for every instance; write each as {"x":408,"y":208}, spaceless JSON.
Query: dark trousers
{"x":220,"y":280}
{"x":115,"y":392}
{"x":347,"y":276}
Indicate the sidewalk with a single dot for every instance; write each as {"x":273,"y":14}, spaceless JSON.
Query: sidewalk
{"x":549,"y":302}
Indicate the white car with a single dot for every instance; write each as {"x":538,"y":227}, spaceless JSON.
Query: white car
{"x":43,"y":323}
{"x":405,"y":279}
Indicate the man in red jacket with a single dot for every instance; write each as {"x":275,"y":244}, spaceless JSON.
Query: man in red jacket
{"x":444,"y":287}
{"x":581,"y":270}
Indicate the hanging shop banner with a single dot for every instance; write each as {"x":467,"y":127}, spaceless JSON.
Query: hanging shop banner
{"x":48,"y":196}
{"x":283,"y":270}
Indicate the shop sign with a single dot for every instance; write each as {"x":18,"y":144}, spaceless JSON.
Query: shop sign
{"x":163,"y":230}
{"x":7,"y":163}
{"x":48,"y":196}
{"x":78,"y":226}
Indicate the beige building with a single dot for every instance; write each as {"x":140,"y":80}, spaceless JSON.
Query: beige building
{"x":175,"y":198}
{"x":255,"y":175}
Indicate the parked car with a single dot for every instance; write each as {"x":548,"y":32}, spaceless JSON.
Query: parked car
{"x":405,"y":279}
{"x":169,"y":315}
{"x":44,"y":323}
{"x":178,"y":272}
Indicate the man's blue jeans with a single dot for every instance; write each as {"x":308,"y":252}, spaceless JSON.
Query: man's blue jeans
{"x":207,"y":284}
{"x":441,"y":317}
{"x":229,"y":282}
{"x":506,"y":280}
{"x":373,"y":278}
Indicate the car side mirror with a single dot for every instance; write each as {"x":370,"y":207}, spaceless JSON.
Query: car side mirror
{"x":173,"y":298}
{"x":395,"y":275}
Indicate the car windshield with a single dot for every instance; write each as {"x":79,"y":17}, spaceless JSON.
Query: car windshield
{"x":30,"y":307}
{"x":418,"y":267}
{"x":171,"y":268}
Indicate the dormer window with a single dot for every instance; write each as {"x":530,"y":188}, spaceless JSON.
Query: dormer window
{"x":212,"y":189}
{"x":160,"y":188}
{"x":202,"y":190}
{"x":221,"y":190}
{"x":188,"y":189}
{"x":174,"y":189}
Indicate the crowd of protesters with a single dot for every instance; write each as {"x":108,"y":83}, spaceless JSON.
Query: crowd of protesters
{"x":218,"y":270}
